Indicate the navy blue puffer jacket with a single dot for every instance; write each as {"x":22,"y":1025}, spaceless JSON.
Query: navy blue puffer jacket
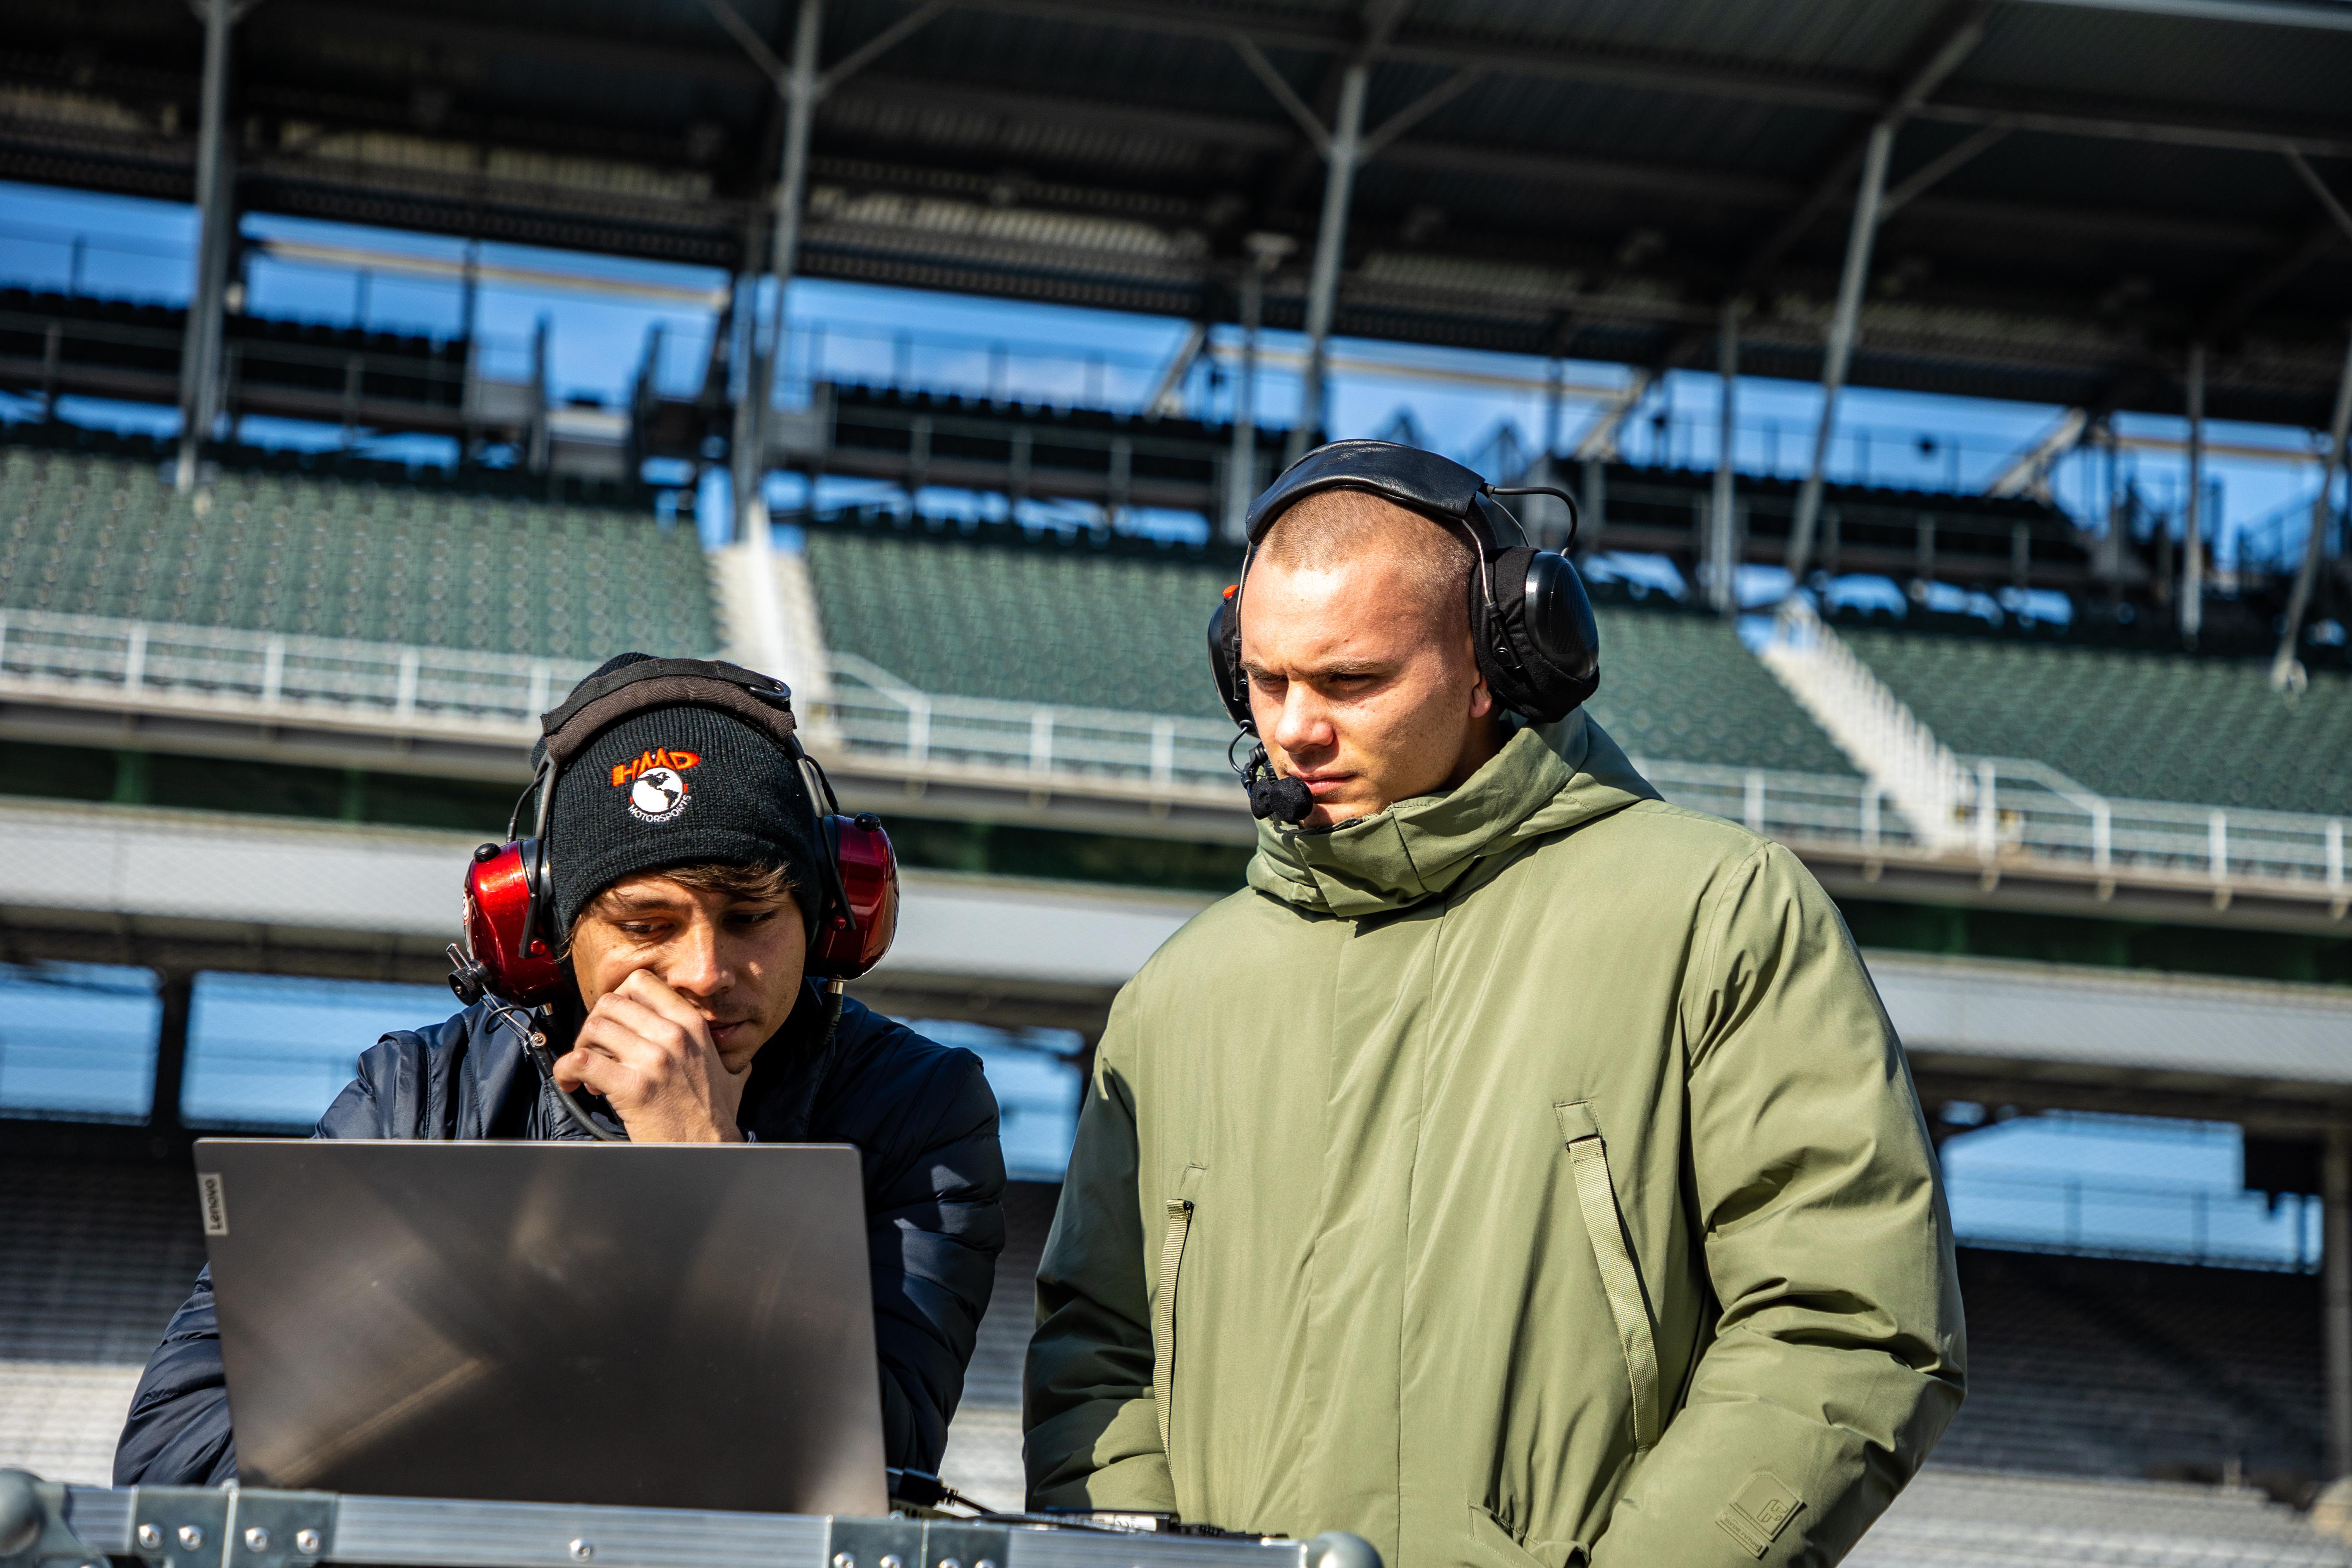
{"x":921,"y":1114}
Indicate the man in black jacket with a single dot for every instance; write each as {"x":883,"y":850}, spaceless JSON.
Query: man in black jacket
{"x":686,"y":911}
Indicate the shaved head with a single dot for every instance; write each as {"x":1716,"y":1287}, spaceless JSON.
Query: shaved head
{"x":1332,"y":528}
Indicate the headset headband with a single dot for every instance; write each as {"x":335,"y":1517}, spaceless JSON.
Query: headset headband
{"x":1420,"y":482}
{"x":760,"y":701}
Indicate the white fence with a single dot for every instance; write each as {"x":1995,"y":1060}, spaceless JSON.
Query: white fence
{"x":2015,"y":813}
{"x":872,"y":713}
{"x":218,"y":671}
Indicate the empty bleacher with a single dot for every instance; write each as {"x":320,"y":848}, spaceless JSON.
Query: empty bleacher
{"x":2131,"y":724}
{"x":993,"y":611}
{"x":2099,"y":1367}
{"x":53,"y":344}
{"x":1953,"y":1518}
{"x":95,"y":1258}
{"x":1117,"y":622}
{"x":1678,"y":686}
{"x":375,"y":559}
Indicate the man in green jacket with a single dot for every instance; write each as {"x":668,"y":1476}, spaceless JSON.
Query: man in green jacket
{"x":1521,"y":1171}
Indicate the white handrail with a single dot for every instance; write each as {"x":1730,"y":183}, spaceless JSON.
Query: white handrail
{"x":2025,"y":815}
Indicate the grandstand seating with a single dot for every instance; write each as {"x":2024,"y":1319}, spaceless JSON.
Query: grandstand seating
{"x":93,"y":1260}
{"x":285,"y":552}
{"x":1119,"y":623}
{"x":2097,"y":1367}
{"x":1953,"y":1518}
{"x":2136,"y":726}
{"x":1088,"y":622}
{"x":1677,"y":686}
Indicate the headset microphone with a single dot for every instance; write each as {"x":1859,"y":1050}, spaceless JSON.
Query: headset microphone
{"x":1273,"y":795}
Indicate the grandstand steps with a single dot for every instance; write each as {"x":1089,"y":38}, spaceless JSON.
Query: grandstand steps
{"x":1878,"y":733}
{"x":2080,"y":1367}
{"x":783,"y":637}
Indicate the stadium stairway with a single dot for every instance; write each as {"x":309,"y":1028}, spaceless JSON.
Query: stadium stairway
{"x":281,"y":550}
{"x":2129,"y":724}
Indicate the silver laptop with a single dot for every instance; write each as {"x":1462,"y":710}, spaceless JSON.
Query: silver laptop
{"x":680,"y":1326}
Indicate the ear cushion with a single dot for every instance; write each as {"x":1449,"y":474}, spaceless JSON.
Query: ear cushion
{"x":1225,"y":661}
{"x":1540,"y":650}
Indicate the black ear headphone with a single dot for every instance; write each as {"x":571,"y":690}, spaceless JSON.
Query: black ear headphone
{"x":1531,"y":624}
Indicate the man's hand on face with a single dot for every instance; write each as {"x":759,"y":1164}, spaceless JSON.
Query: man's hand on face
{"x":648,"y":1050}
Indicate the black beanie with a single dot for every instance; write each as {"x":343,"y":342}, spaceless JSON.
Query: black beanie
{"x":678,"y":786}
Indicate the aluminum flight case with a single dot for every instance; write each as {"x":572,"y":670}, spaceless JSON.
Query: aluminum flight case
{"x":46,"y":1524}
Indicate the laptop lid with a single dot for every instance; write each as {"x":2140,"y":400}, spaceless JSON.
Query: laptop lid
{"x":669,"y":1325}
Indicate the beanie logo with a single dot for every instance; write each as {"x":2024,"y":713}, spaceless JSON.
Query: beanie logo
{"x":656,"y":780}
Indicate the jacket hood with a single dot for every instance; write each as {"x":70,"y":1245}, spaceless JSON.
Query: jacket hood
{"x":1547,"y":778}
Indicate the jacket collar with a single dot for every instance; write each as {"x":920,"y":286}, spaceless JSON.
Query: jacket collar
{"x":1545,"y":780}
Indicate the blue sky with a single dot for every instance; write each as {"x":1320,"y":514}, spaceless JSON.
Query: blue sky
{"x":139,"y":250}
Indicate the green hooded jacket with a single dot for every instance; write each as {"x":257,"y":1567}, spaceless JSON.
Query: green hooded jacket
{"x":1518,"y":1177}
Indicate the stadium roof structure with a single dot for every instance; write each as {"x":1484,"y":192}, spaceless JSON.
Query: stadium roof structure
{"x":2070,"y":192}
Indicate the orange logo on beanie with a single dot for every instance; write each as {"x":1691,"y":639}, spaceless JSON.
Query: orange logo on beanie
{"x":661,"y":757}
{"x":655,"y":781}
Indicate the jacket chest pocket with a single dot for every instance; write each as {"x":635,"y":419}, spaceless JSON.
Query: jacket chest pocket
{"x":1612,"y":1254}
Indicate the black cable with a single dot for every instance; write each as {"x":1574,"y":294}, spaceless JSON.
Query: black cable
{"x":534,"y":1045}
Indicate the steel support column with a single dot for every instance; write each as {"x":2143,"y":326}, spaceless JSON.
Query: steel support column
{"x":2192,"y":537}
{"x":1241,"y":468}
{"x":750,"y":443}
{"x":217,"y":214}
{"x":1721,"y":569}
{"x":2286,"y":666}
{"x":2335,"y":1252}
{"x":1330,"y":245}
{"x":1842,"y":325}
{"x":177,"y":990}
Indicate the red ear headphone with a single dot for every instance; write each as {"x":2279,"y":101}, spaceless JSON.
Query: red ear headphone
{"x":508,"y":950}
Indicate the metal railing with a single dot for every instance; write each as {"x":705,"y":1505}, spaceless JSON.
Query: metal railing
{"x":872,"y":713}
{"x":235,"y":673}
{"x":2012,"y":813}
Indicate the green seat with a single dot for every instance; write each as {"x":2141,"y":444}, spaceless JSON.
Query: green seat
{"x":324,"y":557}
{"x":2130,"y":725}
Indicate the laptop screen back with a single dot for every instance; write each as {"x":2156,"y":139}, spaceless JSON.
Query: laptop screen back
{"x":680,"y":1326}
